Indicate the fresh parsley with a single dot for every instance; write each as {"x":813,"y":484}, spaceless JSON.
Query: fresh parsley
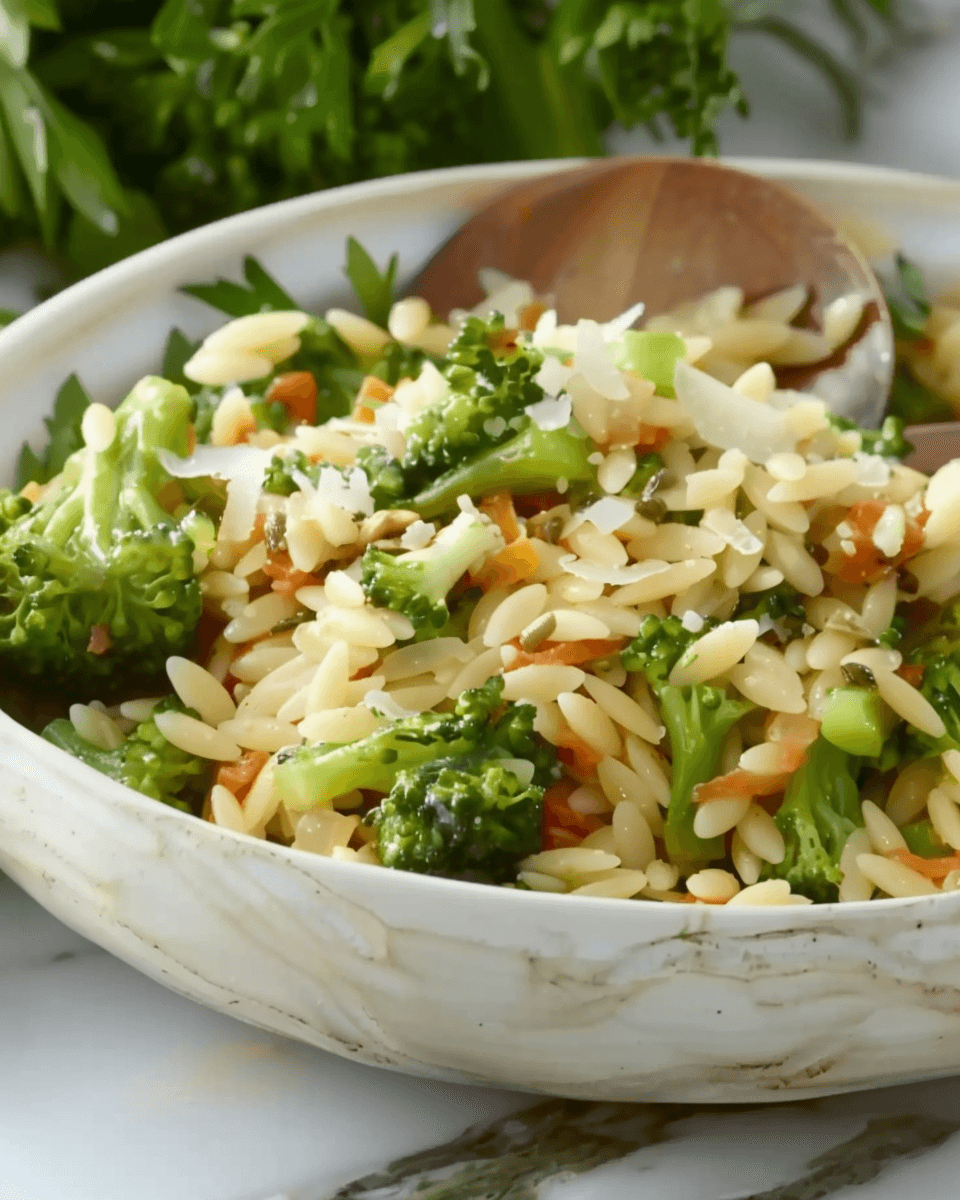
{"x":149,"y":119}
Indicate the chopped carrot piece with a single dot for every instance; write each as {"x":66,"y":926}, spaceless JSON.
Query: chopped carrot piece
{"x":555,"y":837}
{"x":99,"y":640}
{"x":499,"y":508}
{"x":652,"y":437}
{"x":297,"y":392}
{"x":530,"y":314}
{"x":566,"y":654}
{"x":513,"y":564}
{"x":373,"y":393}
{"x":537,"y":502}
{"x":577,"y":754}
{"x":375,"y":389}
{"x":238,"y":777}
{"x":934,"y":869}
{"x":502,"y":340}
{"x":285,"y":577}
{"x":867,"y":563}
{"x":912,"y":673}
{"x":562,"y":825}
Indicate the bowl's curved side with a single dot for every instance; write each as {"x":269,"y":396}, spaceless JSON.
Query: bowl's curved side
{"x":594,"y":999}
{"x":588,"y":998}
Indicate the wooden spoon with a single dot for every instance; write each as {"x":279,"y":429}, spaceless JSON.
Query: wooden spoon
{"x":933,"y":445}
{"x":665,"y":231}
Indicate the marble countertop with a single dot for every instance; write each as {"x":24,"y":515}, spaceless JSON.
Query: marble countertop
{"x":111,"y":1087}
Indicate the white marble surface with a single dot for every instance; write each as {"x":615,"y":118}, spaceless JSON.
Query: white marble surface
{"x":112,"y":1087}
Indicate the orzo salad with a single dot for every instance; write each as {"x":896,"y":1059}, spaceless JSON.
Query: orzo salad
{"x":583,"y":609}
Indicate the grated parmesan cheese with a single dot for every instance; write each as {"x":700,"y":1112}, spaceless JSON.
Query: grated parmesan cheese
{"x":550,"y":413}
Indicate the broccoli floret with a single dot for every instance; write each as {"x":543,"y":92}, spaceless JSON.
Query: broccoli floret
{"x":416,"y":584}
{"x":97,"y":581}
{"x":892,"y":636}
{"x":533,"y":461}
{"x":476,"y":438}
{"x":144,"y":760}
{"x":12,"y":508}
{"x":819,"y":812}
{"x":483,"y":407}
{"x":398,"y":362}
{"x":697,"y":718}
{"x":783,"y":605}
{"x":203,"y":407}
{"x":887,"y":441}
{"x":461,"y":817}
{"x":311,"y":776}
{"x":278,"y":477}
{"x":939,"y":656}
{"x":384,"y":477}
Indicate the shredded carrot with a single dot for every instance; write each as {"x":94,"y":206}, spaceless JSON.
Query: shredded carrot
{"x":297,"y":392}
{"x":513,"y":564}
{"x":191,"y":439}
{"x":565,"y":654}
{"x":934,"y":869}
{"x":99,"y":640}
{"x":499,"y":508}
{"x":577,"y":754}
{"x":912,"y":673}
{"x":284,"y":576}
{"x":793,"y":736}
{"x":868,"y":564}
{"x":562,"y":825}
{"x":652,"y":437}
{"x":237,"y":777}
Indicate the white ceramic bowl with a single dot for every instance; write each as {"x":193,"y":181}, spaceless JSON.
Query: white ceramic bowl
{"x":582,"y":997}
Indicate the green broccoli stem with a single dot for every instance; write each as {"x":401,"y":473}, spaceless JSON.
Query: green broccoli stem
{"x":923,"y":839}
{"x":534,"y":461}
{"x":112,"y":489}
{"x":697,"y":719}
{"x":856,"y":720}
{"x":316,"y":774}
{"x":62,"y":733}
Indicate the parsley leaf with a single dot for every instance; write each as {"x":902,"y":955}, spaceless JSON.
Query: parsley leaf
{"x":261,"y":293}
{"x":374,"y":290}
{"x":64,"y":436}
{"x":908,"y":302}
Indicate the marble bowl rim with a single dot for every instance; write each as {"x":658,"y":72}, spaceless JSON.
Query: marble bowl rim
{"x":272,"y":218}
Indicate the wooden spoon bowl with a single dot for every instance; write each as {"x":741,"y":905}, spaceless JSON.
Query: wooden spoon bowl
{"x":666,"y":231}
